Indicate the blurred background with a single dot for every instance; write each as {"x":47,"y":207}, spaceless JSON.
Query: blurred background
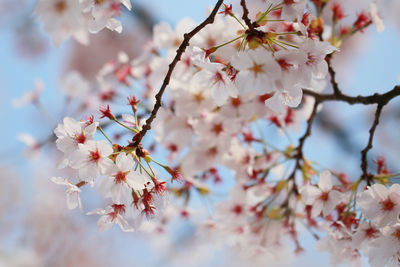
{"x":36,"y":229}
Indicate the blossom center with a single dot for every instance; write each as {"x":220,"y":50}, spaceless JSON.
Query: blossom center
{"x":118,"y":209}
{"x":218,"y":78}
{"x":60,"y":6}
{"x":198,"y":97}
{"x":265,"y":97}
{"x":387,"y":205}
{"x":177,"y":42}
{"x":173,"y":148}
{"x":94,"y":156}
{"x":217,"y":128}
{"x":80,"y":138}
{"x":237,"y":209}
{"x":256,"y":69}
{"x":311,"y":59}
{"x":397,"y":234}
{"x":211,"y":41}
{"x":212,"y":151}
{"x":284,"y":64}
{"x":370,"y":232}
{"x":236,"y":102}
{"x":120,"y":177}
{"x":288,"y":2}
{"x":324,"y":196}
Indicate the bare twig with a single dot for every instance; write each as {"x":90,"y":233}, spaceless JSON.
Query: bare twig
{"x":299,"y":157}
{"x":245,"y":16}
{"x":332,"y":73}
{"x":364,"y":162}
{"x":364,"y":100}
{"x":380,"y":99}
{"x":185,"y":43}
{"x":299,"y":149}
{"x":302,"y":140}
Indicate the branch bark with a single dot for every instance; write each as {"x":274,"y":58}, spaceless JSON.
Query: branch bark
{"x":364,"y":161}
{"x":245,"y":16}
{"x":380,"y":99}
{"x":182,"y":48}
{"x":364,"y":100}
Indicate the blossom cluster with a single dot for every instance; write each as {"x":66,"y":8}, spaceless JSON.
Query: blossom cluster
{"x":233,"y":78}
{"x":367,"y":221}
{"x":116,"y":172}
{"x":76,"y":18}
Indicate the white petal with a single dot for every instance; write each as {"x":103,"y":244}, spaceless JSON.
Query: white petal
{"x":73,"y":200}
{"x":316,"y":208}
{"x":325,"y":181}
{"x":310,"y":194}
{"x":104,"y":223}
{"x":60,"y":181}
{"x":334,"y":198}
{"x":124,"y":162}
{"x":123,"y":224}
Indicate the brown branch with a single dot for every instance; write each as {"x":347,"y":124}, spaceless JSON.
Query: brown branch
{"x":332,"y":73}
{"x":302,"y":140}
{"x":299,"y":157}
{"x":364,"y":162}
{"x":299,"y":150}
{"x":245,"y":16}
{"x":185,"y":43}
{"x":364,"y":100}
{"x":380,"y":99}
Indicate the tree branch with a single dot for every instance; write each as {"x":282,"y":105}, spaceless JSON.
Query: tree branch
{"x":299,"y":149}
{"x":245,"y":16}
{"x":364,"y":162}
{"x":380,"y":99}
{"x":364,"y":100}
{"x":332,"y":73}
{"x":185,"y":43}
{"x":302,"y":140}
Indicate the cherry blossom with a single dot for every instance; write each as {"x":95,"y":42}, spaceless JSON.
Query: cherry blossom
{"x":380,"y":204}
{"x":72,"y":133}
{"x":322,"y":198}
{"x":74,"y":85}
{"x":257,"y":70}
{"x":91,"y":159}
{"x":122,"y":180}
{"x":384,"y":251}
{"x":376,"y":19}
{"x":315,"y":65}
{"x":30,"y":97}
{"x":364,"y":235}
{"x":103,"y":13}
{"x":112,"y":215}
{"x":165,"y":36}
{"x":214,"y":77}
{"x":341,"y":250}
{"x":62,"y":19}
{"x":73,"y":192}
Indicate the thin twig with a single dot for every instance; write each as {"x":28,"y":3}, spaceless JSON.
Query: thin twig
{"x":299,"y":154}
{"x":245,"y":16}
{"x":332,"y":73}
{"x":364,"y":100}
{"x":185,"y":43}
{"x":364,"y":162}
{"x":380,"y":99}
{"x":302,"y":140}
